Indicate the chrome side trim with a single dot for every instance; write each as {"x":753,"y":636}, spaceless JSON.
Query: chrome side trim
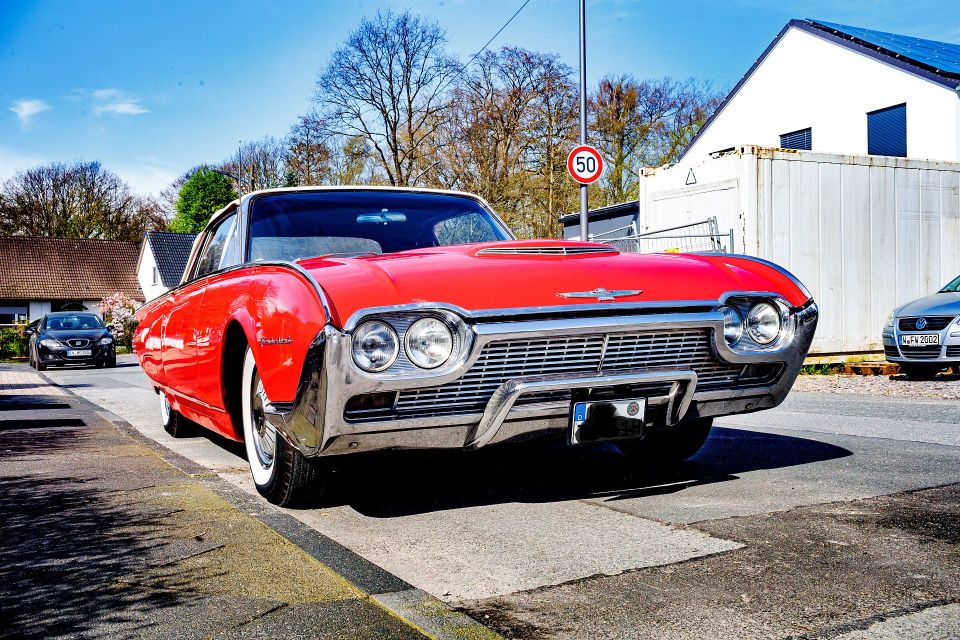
{"x":507,"y":394}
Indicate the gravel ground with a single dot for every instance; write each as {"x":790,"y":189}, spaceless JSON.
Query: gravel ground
{"x":943,"y":387}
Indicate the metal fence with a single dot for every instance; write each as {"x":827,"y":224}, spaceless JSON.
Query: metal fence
{"x":697,"y":237}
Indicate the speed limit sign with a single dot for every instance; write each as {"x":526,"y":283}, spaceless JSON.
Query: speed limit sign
{"x":585,"y":164}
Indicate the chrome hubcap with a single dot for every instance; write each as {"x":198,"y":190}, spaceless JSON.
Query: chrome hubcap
{"x":264,"y":435}
{"x":164,"y":408}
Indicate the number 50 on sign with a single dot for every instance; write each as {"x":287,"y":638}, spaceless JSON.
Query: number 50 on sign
{"x":585,"y":164}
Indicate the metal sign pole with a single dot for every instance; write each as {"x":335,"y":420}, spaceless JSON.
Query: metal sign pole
{"x":584,"y":223}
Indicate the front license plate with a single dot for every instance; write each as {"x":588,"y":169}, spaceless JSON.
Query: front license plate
{"x":920,"y":340}
{"x":79,"y":353}
{"x":607,"y":420}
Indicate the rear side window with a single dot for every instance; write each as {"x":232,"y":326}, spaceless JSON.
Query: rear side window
{"x":216,"y":248}
{"x":887,"y":131}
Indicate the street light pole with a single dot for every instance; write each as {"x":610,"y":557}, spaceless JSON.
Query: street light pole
{"x":584,"y":223}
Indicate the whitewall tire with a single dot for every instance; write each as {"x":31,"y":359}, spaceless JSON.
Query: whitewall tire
{"x":280,"y":472}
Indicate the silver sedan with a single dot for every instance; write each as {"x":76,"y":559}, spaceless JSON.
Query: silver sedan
{"x":923,"y":336}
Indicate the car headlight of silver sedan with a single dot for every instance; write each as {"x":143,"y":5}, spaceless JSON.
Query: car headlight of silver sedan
{"x":375,"y":346}
{"x":428,"y":343}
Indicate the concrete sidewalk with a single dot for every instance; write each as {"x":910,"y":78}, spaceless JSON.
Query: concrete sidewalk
{"x":103,"y":538}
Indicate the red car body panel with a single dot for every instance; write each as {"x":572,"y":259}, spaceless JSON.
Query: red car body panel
{"x":179,"y":339}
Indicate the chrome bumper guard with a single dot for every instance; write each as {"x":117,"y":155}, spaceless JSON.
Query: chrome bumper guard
{"x":316,"y":425}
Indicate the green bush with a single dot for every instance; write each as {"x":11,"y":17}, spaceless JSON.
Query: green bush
{"x":13,"y":344}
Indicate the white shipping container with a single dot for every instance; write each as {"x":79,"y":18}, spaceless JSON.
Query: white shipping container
{"x":864,"y":233}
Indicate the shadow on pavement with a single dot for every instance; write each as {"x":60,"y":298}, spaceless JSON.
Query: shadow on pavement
{"x":70,"y":550}
{"x":406,"y":483}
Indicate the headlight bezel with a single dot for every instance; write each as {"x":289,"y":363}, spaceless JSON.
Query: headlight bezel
{"x":404,"y":366}
{"x":744,"y":303}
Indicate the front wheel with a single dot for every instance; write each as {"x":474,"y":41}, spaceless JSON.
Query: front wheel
{"x":673,"y":444}
{"x":282,"y":474}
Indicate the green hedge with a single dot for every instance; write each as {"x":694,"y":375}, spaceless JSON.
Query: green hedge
{"x":13,"y":344}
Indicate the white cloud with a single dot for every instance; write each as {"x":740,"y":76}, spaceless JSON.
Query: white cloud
{"x":146,"y":179}
{"x":26,"y":108}
{"x":116,"y":102}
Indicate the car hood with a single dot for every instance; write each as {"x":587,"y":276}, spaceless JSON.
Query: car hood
{"x":937,"y":304}
{"x":66,"y":334}
{"x":464,"y":276}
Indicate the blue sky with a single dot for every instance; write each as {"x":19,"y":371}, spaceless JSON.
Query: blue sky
{"x":153,"y":88}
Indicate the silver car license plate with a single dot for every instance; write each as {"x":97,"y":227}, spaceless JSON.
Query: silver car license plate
{"x":79,"y":353}
{"x":607,"y":420}
{"x":920,"y":340}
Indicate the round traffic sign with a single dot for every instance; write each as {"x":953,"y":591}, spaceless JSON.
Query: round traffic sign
{"x":585,"y":164}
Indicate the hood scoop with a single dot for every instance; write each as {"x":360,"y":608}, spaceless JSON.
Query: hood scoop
{"x":546,"y":250}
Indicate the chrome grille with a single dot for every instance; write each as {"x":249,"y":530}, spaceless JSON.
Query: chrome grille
{"x":503,"y":360}
{"x":953,"y":351}
{"x":78,"y":343}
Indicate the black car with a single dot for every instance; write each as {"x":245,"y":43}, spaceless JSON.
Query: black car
{"x":70,"y":337}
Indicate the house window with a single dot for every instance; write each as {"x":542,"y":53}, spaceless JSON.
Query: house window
{"x":887,"y":131}
{"x":801,"y":140}
{"x":156,"y":276}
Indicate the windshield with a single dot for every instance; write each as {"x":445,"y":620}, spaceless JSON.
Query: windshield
{"x":74,"y":321}
{"x":952,"y":287}
{"x":289,"y":226}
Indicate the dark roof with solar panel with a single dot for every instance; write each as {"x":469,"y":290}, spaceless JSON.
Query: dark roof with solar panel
{"x":939,"y":57}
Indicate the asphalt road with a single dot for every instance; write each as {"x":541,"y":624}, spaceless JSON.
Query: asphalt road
{"x":831,"y":516}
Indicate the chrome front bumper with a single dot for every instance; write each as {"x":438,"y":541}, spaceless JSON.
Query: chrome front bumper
{"x":316,"y":425}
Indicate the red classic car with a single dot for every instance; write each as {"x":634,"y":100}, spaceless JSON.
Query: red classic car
{"x":318,"y":322}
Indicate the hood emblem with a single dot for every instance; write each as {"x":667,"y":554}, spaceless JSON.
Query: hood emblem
{"x":601,"y":294}
{"x":921,"y":323}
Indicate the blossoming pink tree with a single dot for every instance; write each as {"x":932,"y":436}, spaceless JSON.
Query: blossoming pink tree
{"x":117,"y":311}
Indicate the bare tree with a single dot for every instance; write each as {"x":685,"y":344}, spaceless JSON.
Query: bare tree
{"x":385,"y":84}
{"x":618,"y":132}
{"x":260,"y":164}
{"x":309,"y":157}
{"x":79,"y":200}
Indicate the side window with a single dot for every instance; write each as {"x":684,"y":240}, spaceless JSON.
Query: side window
{"x":213,"y":251}
{"x":468,"y":228}
{"x":231,"y":253}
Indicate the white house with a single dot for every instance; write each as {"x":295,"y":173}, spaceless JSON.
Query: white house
{"x":832,"y":88}
{"x":163,"y":256}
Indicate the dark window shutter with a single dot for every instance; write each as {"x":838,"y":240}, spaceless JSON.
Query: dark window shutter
{"x":887,"y":131}
{"x":802,"y":140}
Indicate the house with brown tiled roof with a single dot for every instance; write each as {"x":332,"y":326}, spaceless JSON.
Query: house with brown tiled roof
{"x":40,"y":275}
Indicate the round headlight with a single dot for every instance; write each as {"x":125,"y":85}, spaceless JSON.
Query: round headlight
{"x":375,"y":345}
{"x":732,"y":325}
{"x":763,"y":323}
{"x":429,"y":343}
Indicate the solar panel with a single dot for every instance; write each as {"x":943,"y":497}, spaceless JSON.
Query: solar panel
{"x":941,"y":56}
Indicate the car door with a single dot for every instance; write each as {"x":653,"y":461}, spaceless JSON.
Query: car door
{"x":214,"y":309}
{"x":180,"y":333}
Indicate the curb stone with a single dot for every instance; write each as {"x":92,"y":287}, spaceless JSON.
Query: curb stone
{"x":429,"y":615}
